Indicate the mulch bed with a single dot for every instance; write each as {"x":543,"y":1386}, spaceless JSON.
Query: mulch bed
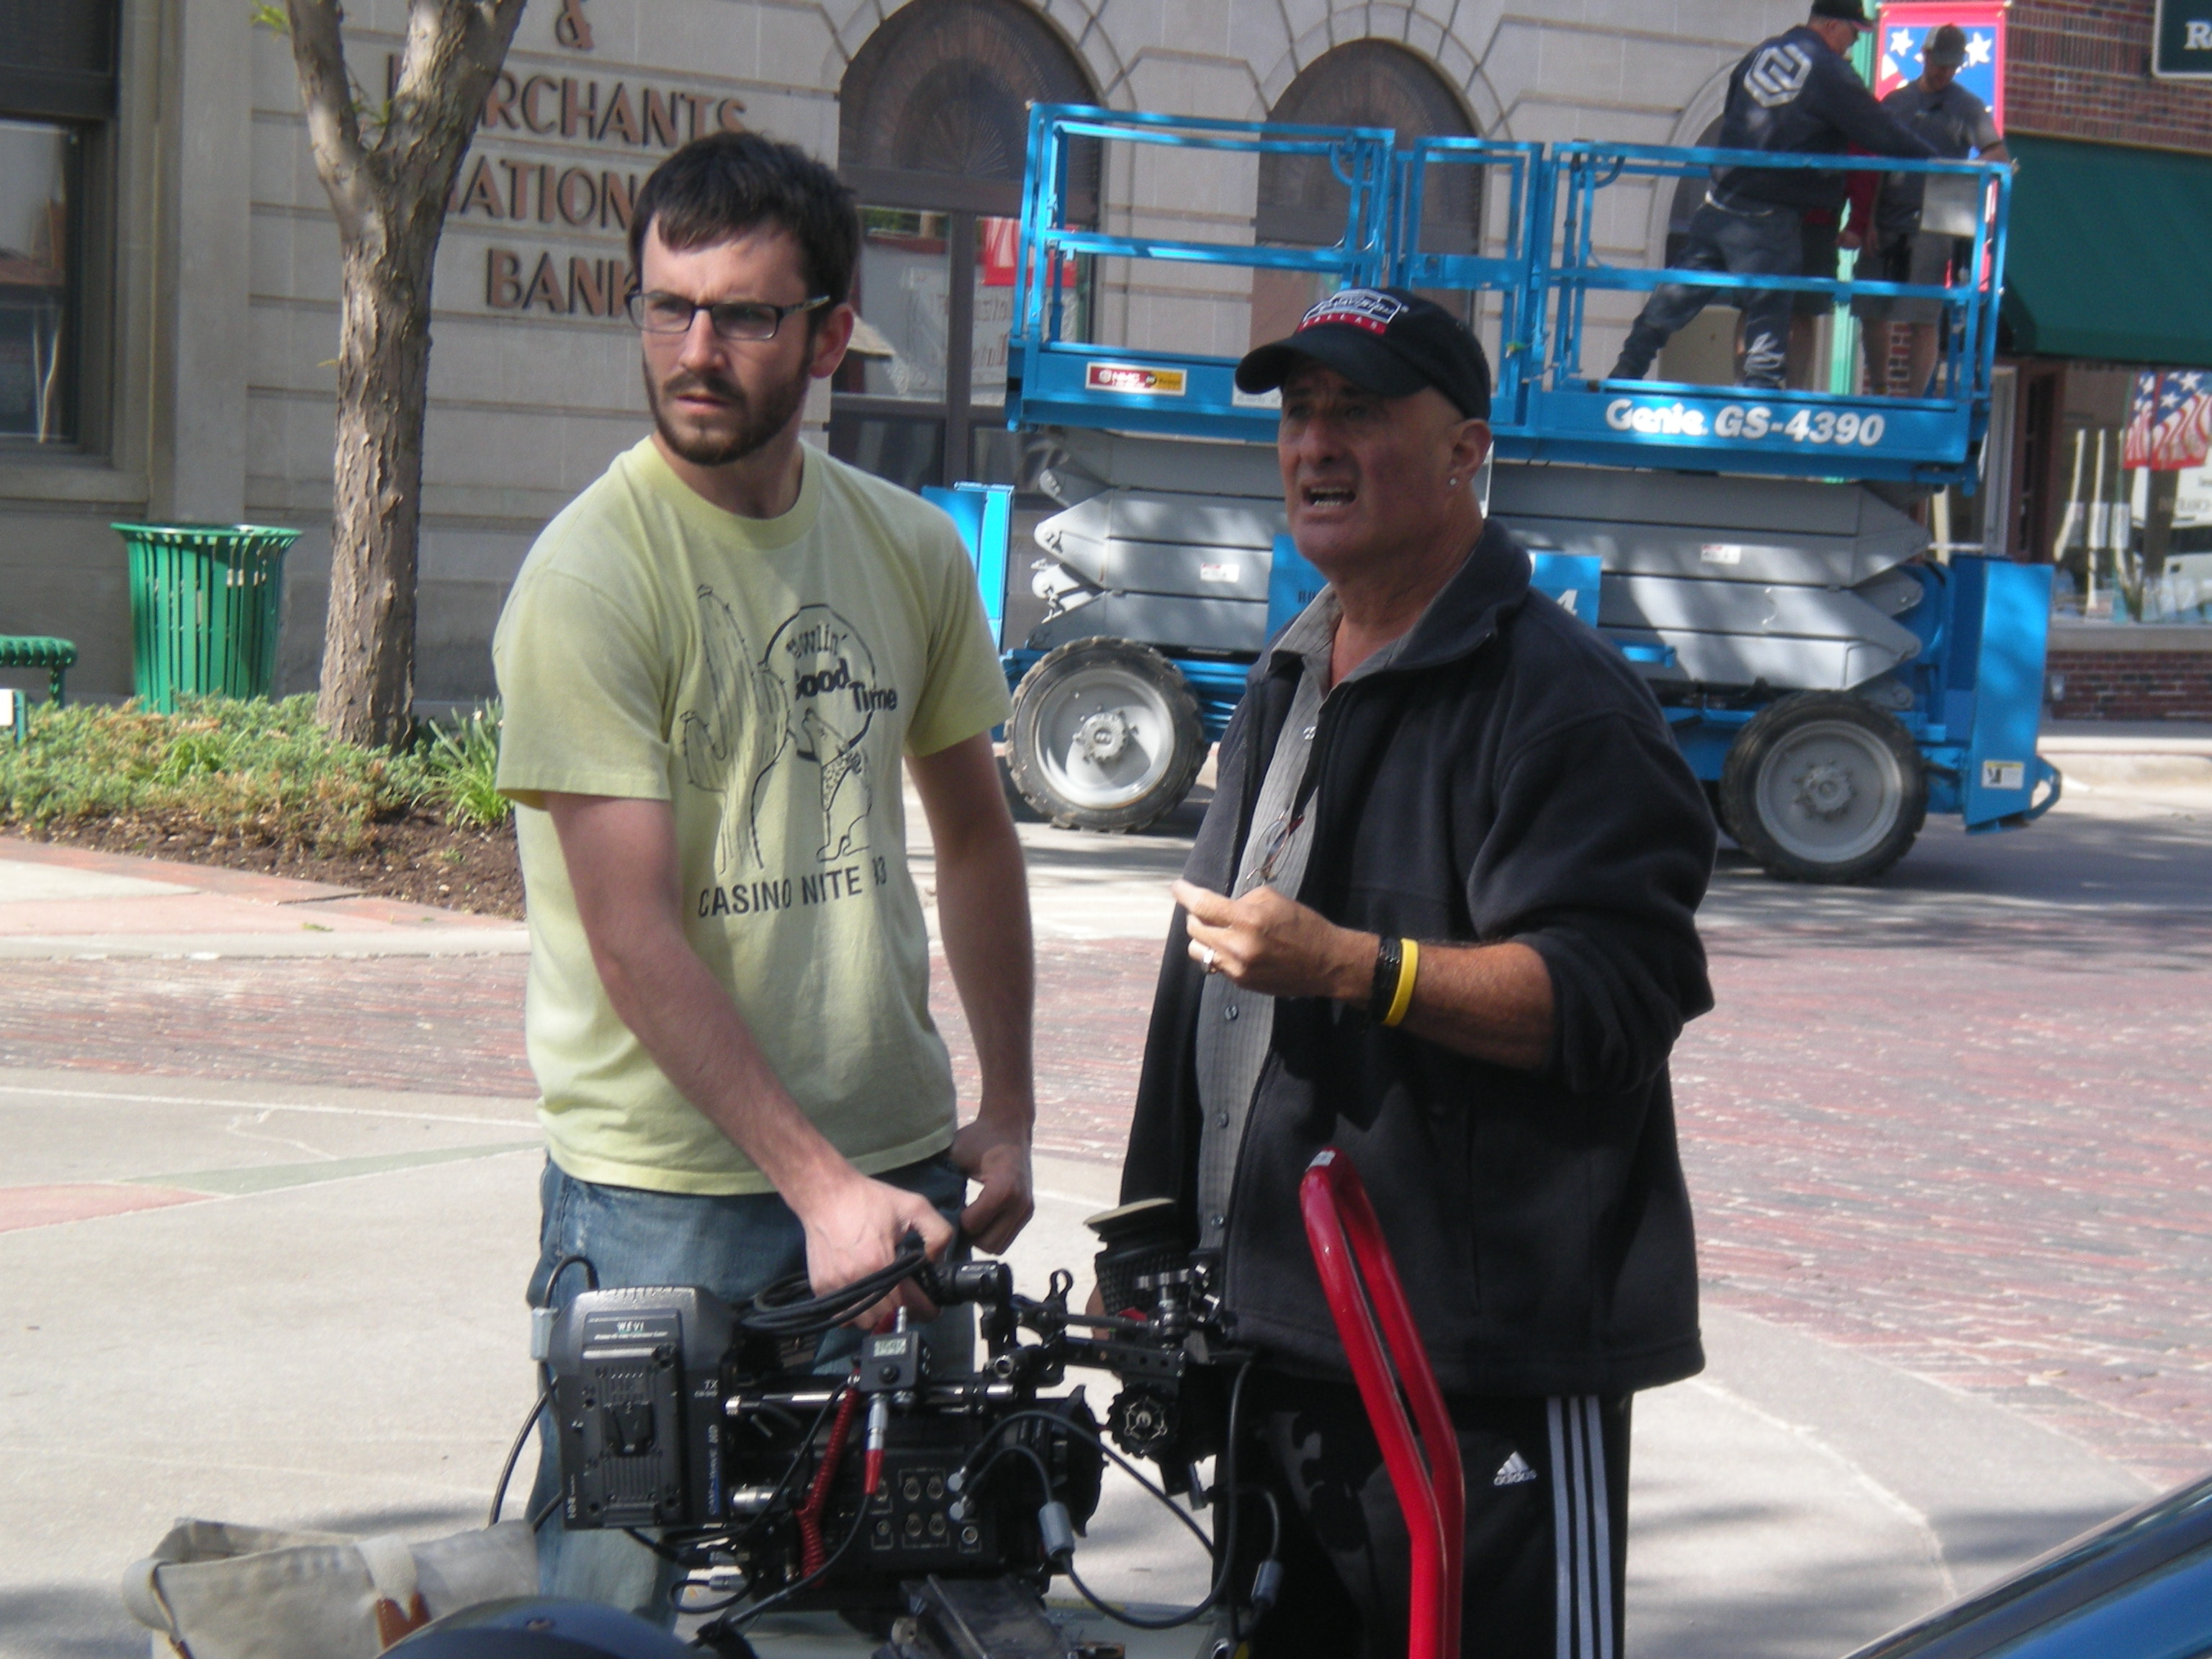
{"x":419,"y":857}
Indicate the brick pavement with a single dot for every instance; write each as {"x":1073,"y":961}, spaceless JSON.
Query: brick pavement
{"x":418,"y":1024}
{"x":1983,"y":1157}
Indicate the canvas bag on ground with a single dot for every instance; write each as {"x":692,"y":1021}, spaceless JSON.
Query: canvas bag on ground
{"x":211,"y":1590}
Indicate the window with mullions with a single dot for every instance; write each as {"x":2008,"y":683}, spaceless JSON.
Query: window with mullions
{"x":57,"y":101}
{"x":40,"y":166}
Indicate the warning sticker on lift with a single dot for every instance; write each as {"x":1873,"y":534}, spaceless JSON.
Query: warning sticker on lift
{"x":1135,"y":378}
{"x":2004,"y":774}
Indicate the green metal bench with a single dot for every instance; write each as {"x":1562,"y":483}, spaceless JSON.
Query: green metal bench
{"x":56,"y":656}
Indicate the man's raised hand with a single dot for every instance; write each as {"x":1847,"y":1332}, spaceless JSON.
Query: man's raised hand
{"x":1266,"y":943}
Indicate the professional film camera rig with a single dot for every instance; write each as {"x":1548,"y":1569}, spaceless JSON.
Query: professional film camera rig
{"x":915,"y":1493}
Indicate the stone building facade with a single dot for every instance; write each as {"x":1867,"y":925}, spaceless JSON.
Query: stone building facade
{"x":184,"y":261}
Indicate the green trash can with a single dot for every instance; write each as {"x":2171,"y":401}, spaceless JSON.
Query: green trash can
{"x":206,"y":601}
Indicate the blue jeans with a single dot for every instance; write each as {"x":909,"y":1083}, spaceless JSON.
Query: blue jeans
{"x":734,"y":1247}
{"x":1747,"y":242}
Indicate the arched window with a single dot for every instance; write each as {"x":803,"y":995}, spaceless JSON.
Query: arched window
{"x":1302,"y":204}
{"x":933,"y":124}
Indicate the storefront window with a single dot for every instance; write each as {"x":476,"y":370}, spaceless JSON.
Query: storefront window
{"x":905,"y":278}
{"x":39,"y":172}
{"x":997,"y":244}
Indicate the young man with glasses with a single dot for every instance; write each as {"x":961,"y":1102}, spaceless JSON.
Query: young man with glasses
{"x":714,"y":661}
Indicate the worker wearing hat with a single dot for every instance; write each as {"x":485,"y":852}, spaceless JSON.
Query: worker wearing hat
{"x":1440,"y":916}
{"x":1796,"y":94}
{"x":1957,"y":125}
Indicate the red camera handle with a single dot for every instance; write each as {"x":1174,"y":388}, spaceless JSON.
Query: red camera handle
{"x":1361,"y":1283}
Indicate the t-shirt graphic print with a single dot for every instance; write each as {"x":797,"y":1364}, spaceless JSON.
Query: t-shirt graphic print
{"x":806,"y":702}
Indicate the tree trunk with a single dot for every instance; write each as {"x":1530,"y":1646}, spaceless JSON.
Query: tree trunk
{"x":387,"y":168}
{"x":384,"y":370}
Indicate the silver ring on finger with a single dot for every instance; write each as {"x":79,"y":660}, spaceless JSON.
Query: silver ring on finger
{"x":1212,"y":959}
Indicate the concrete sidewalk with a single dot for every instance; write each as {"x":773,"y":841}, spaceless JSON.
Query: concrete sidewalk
{"x":2144,"y":758}
{"x":57,"y":901}
{"x":300,"y":1306}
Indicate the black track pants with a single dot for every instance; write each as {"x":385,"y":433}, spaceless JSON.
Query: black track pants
{"x":1547,"y":1525}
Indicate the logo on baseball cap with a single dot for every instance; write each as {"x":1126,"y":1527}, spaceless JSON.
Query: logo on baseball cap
{"x":1384,"y":340}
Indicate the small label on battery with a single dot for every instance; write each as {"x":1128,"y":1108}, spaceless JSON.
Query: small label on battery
{"x":1720,"y":553}
{"x":1220,"y":573}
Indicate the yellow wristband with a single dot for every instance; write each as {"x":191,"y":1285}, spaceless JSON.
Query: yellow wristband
{"x":1408,"y":966}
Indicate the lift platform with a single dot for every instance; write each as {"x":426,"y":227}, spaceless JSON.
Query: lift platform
{"x":1750,"y":553}
{"x":1530,"y":262}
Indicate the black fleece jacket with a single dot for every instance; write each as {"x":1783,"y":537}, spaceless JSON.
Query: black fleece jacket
{"x":1507,"y":777}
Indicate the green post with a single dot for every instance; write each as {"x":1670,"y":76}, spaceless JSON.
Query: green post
{"x":206,"y":603}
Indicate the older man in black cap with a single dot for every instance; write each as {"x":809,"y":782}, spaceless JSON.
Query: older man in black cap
{"x":1795,"y":95}
{"x":1439,"y":915}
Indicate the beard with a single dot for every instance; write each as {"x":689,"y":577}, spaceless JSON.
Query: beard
{"x":731,"y":433}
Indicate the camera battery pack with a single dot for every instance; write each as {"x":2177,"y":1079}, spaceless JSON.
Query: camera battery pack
{"x":637,"y":1390}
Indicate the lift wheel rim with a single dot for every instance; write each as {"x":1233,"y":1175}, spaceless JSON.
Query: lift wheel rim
{"x":1830,"y":792}
{"x":1105,"y":738}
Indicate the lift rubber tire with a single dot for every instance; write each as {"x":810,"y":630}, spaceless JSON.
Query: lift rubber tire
{"x":1824,"y":787}
{"x":1104,"y":736}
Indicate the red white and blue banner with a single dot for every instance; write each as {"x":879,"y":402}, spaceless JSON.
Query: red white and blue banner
{"x":1902,"y":36}
{"x":2170,"y":422}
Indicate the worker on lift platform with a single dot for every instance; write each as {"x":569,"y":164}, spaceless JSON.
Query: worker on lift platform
{"x":1958,"y":124}
{"x":1794,"y":94}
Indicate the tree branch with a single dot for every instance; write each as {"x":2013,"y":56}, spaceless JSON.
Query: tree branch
{"x":453,"y":52}
{"x":333,"y":124}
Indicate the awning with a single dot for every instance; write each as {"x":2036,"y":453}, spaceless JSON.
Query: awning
{"x":2110,"y":254}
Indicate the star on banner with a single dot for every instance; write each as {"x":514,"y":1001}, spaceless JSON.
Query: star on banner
{"x":1901,"y":43}
{"x":1981,"y":48}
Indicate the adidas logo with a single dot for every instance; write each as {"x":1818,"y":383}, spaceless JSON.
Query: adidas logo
{"x":1513,"y":1471}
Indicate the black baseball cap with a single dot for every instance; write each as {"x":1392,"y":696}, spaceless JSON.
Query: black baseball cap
{"x":1843,"y":11}
{"x":1384,"y":340}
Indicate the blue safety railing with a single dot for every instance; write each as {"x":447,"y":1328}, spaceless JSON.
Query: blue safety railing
{"x":1571,"y":416}
{"x":1507,"y":273}
{"x":1052,"y":377}
{"x":1535,"y":271}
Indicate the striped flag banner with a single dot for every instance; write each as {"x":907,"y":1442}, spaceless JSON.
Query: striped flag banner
{"x":2169,"y":421}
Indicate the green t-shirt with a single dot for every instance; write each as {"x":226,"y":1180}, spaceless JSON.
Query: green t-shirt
{"x":764,"y":676}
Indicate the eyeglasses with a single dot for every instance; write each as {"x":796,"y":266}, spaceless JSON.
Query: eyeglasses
{"x":733,"y":320}
{"x":1277,"y":843}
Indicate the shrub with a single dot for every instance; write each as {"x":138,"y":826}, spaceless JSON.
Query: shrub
{"x":261,"y":771}
{"x":462,"y":762}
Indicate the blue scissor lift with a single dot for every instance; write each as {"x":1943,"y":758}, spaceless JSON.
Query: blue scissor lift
{"x":1830,"y":681}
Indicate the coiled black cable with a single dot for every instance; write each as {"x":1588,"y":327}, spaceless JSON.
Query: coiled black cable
{"x":784,"y":1309}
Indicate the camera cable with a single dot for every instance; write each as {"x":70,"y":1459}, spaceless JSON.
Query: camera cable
{"x":784,"y":1309}
{"x":514,"y":1453}
{"x":1222,"y":1551}
{"x":732,"y":1623}
{"x":544,"y":1395}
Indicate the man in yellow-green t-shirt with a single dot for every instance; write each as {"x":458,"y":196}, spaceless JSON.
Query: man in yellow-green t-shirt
{"x":714,"y":661}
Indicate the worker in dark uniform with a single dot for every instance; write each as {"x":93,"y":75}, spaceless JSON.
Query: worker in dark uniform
{"x":1794,"y":94}
{"x":1959,"y":126}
